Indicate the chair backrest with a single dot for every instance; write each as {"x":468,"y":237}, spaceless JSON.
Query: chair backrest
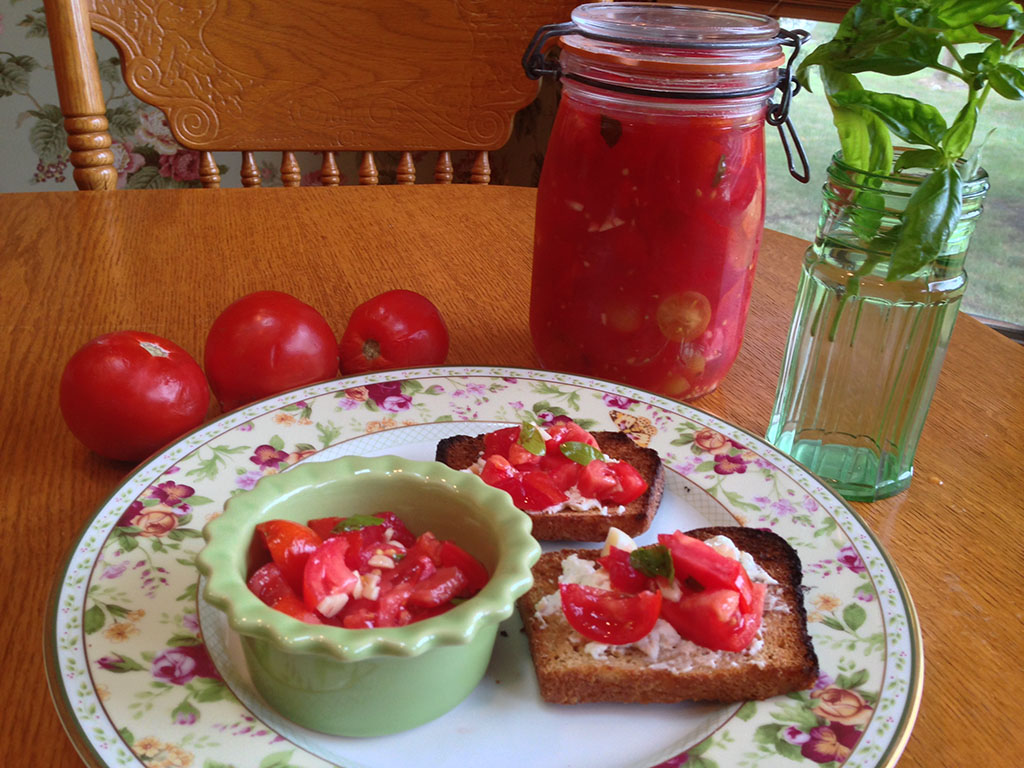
{"x":302,"y":75}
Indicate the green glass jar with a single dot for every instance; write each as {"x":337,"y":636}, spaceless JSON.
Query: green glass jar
{"x":864,"y":353}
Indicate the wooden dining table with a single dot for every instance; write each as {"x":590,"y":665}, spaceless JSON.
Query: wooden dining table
{"x":75,"y":265}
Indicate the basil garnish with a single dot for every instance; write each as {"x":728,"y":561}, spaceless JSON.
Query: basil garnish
{"x":531,"y":439}
{"x":355,"y":523}
{"x":653,"y":561}
{"x":581,"y":453}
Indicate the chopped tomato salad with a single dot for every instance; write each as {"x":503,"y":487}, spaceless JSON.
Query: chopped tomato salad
{"x":707,"y":597}
{"x":359,"y":572}
{"x":539,"y":467}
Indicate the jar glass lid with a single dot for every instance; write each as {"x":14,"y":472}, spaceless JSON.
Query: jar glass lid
{"x":681,"y":26}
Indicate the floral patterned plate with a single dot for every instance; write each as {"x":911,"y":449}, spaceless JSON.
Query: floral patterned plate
{"x":144,"y":673}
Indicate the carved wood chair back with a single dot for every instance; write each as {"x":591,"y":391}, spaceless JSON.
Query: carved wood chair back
{"x":302,"y":75}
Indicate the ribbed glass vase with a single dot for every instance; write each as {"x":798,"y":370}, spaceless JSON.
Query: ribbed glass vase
{"x":864,"y":352}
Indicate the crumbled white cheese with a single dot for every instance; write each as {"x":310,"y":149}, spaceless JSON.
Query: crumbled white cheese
{"x":723,"y":545}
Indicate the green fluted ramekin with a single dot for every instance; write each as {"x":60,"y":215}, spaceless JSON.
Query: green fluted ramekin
{"x":369,"y":682}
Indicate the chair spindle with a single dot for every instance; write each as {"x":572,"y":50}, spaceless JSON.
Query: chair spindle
{"x":91,"y":156}
{"x":406,"y":170}
{"x":209,"y":173}
{"x":481,"y":173}
{"x":291,"y":174}
{"x":443,"y":171}
{"x":368,"y":175}
{"x":330,"y":176}
{"x":250,"y":172}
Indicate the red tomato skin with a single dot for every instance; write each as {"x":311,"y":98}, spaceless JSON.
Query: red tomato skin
{"x":630,"y":484}
{"x":696,"y":618}
{"x":266,"y":343}
{"x":269,"y":585}
{"x":695,"y":559}
{"x":127,"y":394}
{"x":290,"y":545}
{"x":392,"y":330}
{"x":326,"y":573}
{"x":624,"y":577}
{"x":438,"y":588}
{"x":605,"y":616}
{"x":476,"y":575}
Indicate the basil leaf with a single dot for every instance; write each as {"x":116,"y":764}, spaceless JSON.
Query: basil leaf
{"x":910,"y":119}
{"x":356,"y":522}
{"x":1008,"y":81}
{"x":581,"y":453}
{"x":862,"y":134}
{"x":653,"y":561}
{"x":931,"y":215}
{"x":611,"y":130}
{"x":959,"y":136}
{"x":530,"y":439}
{"x":919,"y":158}
{"x":867,"y":213}
{"x":961,"y":13}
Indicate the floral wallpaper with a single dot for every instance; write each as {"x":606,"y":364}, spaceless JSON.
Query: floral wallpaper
{"x":34,"y":153}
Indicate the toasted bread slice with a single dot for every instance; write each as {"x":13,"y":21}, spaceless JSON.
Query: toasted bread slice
{"x":786,"y":661}
{"x":567,"y":524}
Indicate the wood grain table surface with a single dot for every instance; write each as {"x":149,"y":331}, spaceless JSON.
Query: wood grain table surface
{"x":75,"y":265}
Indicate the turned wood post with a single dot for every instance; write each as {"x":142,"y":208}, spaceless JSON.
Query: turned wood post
{"x":81,"y":94}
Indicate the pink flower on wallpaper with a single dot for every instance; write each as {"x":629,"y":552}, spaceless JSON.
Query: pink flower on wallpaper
{"x":183,"y":166}
{"x":126,"y":160}
{"x":154,"y":131}
{"x":311,"y":179}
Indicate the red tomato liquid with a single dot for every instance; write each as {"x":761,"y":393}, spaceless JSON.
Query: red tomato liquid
{"x":647,"y":233}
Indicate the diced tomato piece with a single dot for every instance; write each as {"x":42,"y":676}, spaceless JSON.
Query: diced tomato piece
{"x":499,"y":472}
{"x":411,"y":569}
{"x":290,"y":544}
{"x":392,"y":611}
{"x":358,"y":614}
{"x":324,"y":526}
{"x":695,"y":559}
{"x":564,"y":430}
{"x":327,"y":581}
{"x":438,"y":588}
{"x":631,"y":484}
{"x":607,"y":616}
{"x":714,"y":619}
{"x":563,"y":471}
{"x":521,"y":458}
{"x":597,"y":480}
{"x":540,"y":491}
{"x":497,"y":443}
{"x":623,"y":575}
{"x":269,"y":585}
{"x":476,"y":575}
{"x":294,"y":607}
{"x":400,"y":533}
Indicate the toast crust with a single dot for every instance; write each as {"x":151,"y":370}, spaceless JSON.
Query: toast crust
{"x":463,"y":451}
{"x":786,"y":662}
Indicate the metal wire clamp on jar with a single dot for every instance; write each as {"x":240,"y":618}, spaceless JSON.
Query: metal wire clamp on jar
{"x":650,"y":207}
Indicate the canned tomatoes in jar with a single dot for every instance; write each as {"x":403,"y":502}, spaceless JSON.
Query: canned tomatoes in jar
{"x":650,"y":207}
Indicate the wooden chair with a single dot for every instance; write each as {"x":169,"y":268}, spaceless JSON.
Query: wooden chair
{"x":302,"y":75}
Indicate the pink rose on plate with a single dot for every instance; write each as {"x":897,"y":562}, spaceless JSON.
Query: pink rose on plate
{"x":180,"y":664}
{"x":181,"y":166}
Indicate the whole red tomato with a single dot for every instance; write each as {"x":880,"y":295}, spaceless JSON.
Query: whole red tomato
{"x":266,"y":343}
{"x":393,"y":330}
{"x":129,"y":393}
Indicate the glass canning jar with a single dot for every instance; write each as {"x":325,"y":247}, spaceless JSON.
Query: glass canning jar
{"x":650,"y":207}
